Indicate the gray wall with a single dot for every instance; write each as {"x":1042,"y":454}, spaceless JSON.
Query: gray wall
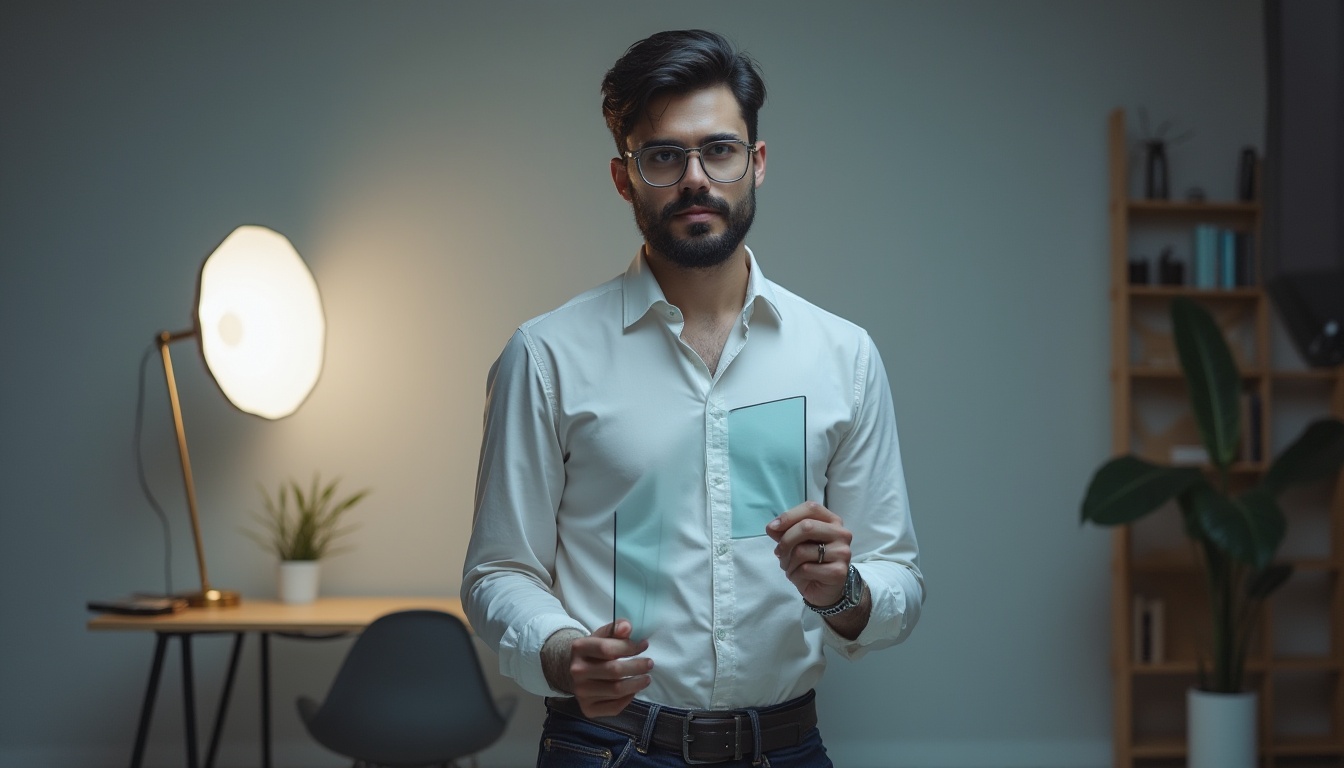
{"x":937,"y":174}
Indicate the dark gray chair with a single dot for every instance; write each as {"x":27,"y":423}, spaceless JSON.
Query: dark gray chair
{"x":409,"y":693}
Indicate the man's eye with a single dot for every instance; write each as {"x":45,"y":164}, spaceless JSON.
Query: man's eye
{"x":664,"y":156}
{"x":725,"y":149}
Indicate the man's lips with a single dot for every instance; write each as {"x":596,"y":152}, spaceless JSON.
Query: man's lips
{"x":696,"y":213}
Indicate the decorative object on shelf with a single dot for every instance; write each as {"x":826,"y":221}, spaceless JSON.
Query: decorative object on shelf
{"x":1169,"y":270}
{"x":1157,"y":176}
{"x":259,"y":320}
{"x":1235,"y":537}
{"x":302,"y":537}
{"x":1138,"y":271}
{"x":1246,"y":165}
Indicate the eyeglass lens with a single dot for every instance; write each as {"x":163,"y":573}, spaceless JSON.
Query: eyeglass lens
{"x":723,"y":161}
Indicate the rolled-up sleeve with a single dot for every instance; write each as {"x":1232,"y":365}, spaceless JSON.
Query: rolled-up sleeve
{"x":510,"y":564}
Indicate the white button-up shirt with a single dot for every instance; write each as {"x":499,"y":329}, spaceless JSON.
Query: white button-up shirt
{"x":588,"y":402}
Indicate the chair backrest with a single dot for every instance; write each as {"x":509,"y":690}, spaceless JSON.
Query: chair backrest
{"x":410,"y":692}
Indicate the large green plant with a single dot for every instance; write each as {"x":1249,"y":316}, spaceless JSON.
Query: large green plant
{"x":1235,"y":535}
{"x":308,"y":531}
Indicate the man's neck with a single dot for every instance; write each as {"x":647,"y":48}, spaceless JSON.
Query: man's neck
{"x":705,"y":293}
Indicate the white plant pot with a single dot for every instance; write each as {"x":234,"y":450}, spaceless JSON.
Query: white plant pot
{"x":1222,"y":729}
{"x":297,"y":581}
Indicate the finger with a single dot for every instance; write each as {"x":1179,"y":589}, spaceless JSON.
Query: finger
{"x":600,"y":649}
{"x":607,"y":705}
{"x":609,"y":672}
{"x":808,"y":510}
{"x":803,"y":560}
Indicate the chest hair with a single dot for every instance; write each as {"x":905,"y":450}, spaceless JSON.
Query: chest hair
{"x":708,"y":339}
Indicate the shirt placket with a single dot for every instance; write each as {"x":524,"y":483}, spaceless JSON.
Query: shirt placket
{"x":718,"y":480}
{"x":721,"y":561}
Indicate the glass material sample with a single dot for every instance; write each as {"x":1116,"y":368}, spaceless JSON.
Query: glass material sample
{"x":767,"y":462}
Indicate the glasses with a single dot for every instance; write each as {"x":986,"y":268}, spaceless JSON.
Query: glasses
{"x":724,"y":161}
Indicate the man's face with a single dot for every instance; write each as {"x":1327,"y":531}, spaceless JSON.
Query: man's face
{"x":697,"y":222}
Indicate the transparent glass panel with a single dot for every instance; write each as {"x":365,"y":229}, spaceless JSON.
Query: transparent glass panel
{"x":767,"y":462}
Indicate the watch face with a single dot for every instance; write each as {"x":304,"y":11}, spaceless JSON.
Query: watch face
{"x":853,"y":586}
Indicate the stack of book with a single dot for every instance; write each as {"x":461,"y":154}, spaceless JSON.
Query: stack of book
{"x":1223,"y":258}
{"x":1149,"y":630}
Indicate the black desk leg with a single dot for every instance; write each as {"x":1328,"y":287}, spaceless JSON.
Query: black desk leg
{"x":224,"y":700}
{"x":189,"y":700}
{"x":147,"y":706}
{"x":265,"y":700}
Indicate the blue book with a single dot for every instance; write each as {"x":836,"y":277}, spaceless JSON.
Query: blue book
{"x":1227,"y":258}
{"x":1205,"y":261}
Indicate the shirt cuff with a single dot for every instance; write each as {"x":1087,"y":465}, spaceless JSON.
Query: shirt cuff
{"x":892,"y":617}
{"x":520,"y":651}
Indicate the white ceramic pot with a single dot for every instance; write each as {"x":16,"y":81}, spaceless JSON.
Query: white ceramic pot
{"x":1222,"y":729}
{"x":297,"y":581}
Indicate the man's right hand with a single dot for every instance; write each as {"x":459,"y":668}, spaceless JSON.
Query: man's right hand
{"x":598,"y":668}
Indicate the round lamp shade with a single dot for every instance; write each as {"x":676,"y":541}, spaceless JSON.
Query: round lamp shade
{"x":260,"y":321}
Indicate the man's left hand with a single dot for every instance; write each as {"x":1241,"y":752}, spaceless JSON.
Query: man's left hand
{"x":805,"y":535}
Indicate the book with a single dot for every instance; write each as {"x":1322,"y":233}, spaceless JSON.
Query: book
{"x":1149,"y":630}
{"x":1251,"y":428}
{"x":1227,"y":258}
{"x":139,"y":605}
{"x":1245,"y":248}
{"x":1189,"y":454}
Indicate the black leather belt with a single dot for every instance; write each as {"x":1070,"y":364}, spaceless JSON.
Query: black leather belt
{"x":707,"y":736}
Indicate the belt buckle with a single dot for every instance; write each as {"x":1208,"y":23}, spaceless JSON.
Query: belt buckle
{"x":686,"y":739}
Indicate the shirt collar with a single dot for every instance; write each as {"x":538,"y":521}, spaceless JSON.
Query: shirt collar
{"x":642,"y":293}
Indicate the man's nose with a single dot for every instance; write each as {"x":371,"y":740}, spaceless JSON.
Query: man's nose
{"x":695,"y":176}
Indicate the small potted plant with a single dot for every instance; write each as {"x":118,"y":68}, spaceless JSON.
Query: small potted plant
{"x":302,"y":534}
{"x":1234,"y":535}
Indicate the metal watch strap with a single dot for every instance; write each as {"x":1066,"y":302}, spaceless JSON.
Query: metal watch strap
{"x":848,"y":598}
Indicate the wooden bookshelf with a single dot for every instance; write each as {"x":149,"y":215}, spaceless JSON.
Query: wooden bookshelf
{"x":1297,"y":661}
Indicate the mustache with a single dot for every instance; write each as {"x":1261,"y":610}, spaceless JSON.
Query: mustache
{"x":703,"y":200}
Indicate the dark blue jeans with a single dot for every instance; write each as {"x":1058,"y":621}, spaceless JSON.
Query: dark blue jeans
{"x":568,"y":742}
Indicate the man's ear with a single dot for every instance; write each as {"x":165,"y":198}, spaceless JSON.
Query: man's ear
{"x":620,"y":176}
{"x":758,"y":164}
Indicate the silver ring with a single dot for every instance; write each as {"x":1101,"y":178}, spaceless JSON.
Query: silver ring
{"x":821,"y":553}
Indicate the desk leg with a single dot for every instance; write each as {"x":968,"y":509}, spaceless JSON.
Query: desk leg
{"x":147,"y":706}
{"x":188,"y":700}
{"x":265,"y":700}
{"x":224,"y":700}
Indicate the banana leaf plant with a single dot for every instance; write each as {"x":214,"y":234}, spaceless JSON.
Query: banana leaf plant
{"x":1235,"y":535}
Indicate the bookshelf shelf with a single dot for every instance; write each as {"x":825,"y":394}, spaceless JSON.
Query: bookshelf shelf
{"x":1168,"y":292}
{"x":1187,"y":210}
{"x":1297,"y":660}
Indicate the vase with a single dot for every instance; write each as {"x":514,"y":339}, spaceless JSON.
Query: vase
{"x":1221,"y":729}
{"x":297,"y":581}
{"x":1156,"y":180}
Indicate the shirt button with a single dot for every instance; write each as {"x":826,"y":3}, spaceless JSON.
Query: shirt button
{"x":723,"y":550}
{"x":718,"y":480}
{"x":719,"y":633}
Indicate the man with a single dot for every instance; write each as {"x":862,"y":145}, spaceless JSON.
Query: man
{"x":694,"y":449}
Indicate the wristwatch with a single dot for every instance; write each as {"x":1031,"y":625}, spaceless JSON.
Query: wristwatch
{"x":849,"y":598}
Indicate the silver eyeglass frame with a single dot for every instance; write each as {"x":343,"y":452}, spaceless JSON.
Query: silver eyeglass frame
{"x":699,"y":156}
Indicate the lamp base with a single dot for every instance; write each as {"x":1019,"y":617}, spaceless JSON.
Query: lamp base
{"x":212,"y":598}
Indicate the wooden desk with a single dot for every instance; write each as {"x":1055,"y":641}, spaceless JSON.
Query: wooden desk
{"x":328,"y":617}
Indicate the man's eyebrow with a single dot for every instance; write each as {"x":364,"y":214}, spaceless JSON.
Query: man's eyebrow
{"x":665,"y":141}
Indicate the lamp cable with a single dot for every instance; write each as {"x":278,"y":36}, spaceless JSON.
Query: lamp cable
{"x":144,"y":481}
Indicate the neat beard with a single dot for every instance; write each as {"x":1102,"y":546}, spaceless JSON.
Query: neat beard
{"x":700,"y":249}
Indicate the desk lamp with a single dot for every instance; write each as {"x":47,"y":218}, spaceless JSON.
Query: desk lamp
{"x":259,"y":320}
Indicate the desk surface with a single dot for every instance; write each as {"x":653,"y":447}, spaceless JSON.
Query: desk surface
{"x":328,"y":614}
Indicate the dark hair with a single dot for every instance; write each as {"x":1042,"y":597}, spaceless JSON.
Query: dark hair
{"x":676,"y":63}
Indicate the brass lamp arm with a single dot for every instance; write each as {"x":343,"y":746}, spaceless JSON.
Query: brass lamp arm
{"x":207,"y":596}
